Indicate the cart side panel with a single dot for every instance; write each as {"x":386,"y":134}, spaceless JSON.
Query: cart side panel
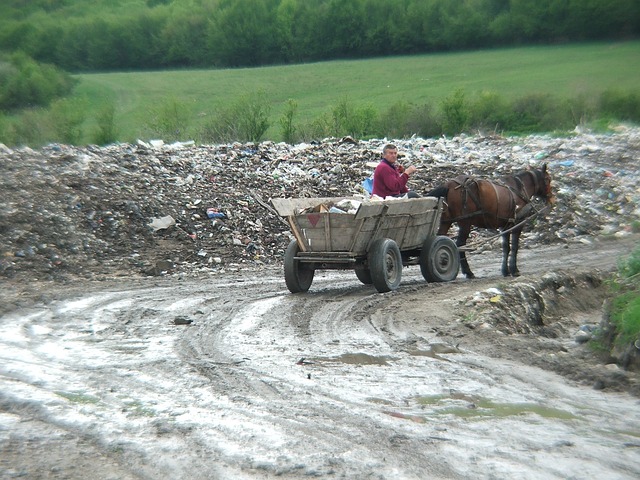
{"x":328,"y":232}
{"x":291,"y":206}
{"x":413,"y":206}
{"x":409,"y":231}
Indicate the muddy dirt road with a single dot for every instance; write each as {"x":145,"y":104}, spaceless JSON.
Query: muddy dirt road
{"x":234,"y":377}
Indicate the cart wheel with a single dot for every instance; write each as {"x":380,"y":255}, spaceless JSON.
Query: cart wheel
{"x":385,"y":264}
{"x":364,"y":275}
{"x":439,"y":259}
{"x":298,"y":276}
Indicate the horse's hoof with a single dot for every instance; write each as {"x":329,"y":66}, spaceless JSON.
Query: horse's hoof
{"x":470,"y":276}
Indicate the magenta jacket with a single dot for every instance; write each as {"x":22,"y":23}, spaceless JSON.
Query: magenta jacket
{"x":387,"y":181}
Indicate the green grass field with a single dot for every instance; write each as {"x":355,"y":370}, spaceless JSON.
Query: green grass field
{"x":566,"y":71}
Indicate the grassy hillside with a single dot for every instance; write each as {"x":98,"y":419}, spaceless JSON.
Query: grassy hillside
{"x":565,"y":71}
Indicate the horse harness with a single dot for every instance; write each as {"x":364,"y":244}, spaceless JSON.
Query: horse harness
{"x":520,"y":192}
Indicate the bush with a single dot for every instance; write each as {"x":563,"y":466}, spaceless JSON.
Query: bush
{"x":455,"y":113}
{"x":25,"y":83}
{"x":170,"y":120}
{"x":539,"y":113}
{"x":489,"y":112}
{"x":349,"y":119}
{"x":287,"y":128}
{"x":66,"y":118}
{"x":245,"y":121}
{"x":423,"y":122}
{"x":31,"y":128}
{"x":620,"y":105}
{"x":106,"y":132}
{"x":620,"y":331}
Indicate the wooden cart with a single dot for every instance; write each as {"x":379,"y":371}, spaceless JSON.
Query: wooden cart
{"x":376,"y":241}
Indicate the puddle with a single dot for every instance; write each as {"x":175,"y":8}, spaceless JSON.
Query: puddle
{"x":78,"y":397}
{"x":481,"y":407}
{"x":358,"y":359}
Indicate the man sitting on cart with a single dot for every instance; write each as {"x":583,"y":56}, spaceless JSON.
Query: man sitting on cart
{"x":390,"y":178}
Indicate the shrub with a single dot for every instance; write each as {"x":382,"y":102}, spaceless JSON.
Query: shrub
{"x":66,"y":117}
{"x":423,"y":122}
{"x":246,"y":120}
{"x":489,"y":112}
{"x":170,"y":120}
{"x":106,"y":131}
{"x":287,"y":128}
{"x":539,"y":113}
{"x":317,"y":129}
{"x":455,"y":113}
{"x":31,"y":128}
{"x":622,"y":327}
{"x":620,"y":105}
{"x":349,"y":119}
{"x":582,"y":109}
{"x":26,"y":83}
{"x":394,"y":122}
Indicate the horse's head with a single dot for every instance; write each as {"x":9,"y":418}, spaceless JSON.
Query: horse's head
{"x":543,"y":184}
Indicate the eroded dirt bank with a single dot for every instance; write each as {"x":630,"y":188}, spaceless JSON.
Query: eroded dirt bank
{"x":231,"y":376}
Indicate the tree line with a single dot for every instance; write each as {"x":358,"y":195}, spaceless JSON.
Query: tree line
{"x":81,"y":36}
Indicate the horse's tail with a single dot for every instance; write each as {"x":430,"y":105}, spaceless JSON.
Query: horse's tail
{"x":441,"y":191}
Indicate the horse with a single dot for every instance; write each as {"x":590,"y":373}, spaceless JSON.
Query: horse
{"x":502,"y":204}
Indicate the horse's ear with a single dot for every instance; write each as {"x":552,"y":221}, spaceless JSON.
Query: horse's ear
{"x":544,"y":168}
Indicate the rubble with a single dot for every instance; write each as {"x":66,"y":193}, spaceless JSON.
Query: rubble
{"x":154,"y":208}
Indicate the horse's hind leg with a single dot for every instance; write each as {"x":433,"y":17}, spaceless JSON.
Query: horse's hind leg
{"x":513,"y":261}
{"x":506,"y":248}
{"x":461,"y":241}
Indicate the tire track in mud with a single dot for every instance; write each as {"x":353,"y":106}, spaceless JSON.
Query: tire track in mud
{"x":274,"y":333}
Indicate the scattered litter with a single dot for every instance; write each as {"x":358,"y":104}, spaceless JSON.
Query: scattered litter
{"x":83,"y":211}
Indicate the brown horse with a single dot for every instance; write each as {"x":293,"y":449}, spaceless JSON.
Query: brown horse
{"x":499,"y":204}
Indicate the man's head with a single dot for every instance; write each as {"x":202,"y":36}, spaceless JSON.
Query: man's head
{"x":390,"y":153}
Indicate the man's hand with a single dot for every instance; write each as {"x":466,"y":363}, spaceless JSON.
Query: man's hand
{"x":410,"y":170}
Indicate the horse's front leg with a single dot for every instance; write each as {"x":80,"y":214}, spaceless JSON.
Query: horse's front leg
{"x":506,"y":248}
{"x":461,"y":241}
{"x":513,"y":261}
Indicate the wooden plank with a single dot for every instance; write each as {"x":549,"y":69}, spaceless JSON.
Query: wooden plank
{"x":412,"y":206}
{"x":295,"y":228}
{"x":290,"y":206}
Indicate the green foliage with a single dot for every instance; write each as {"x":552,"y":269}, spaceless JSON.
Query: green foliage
{"x":106,"y":126}
{"x":27,"y":83}
{"x":287,"y":127}
{"x":360,"y":98}
{"x":246,"y":120}
{"x":423,"y":121}
{"x":32,"y":127}
{"x":620,"y":105}
{"x":624,"y":311}
{"x":86,"y":35}
{"x":625,"y":316}
{"x":170,"y":120}
{"x":353,"y":120}
{"x":630,"y":267}
{"x":455,"y":113}
{"x":66,"y":119}
{"x":394,"y":122}
{"x":489,"y":112}
{"x":539,"y":112}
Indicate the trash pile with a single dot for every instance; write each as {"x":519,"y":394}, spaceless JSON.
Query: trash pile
{"x":150,"y":208}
